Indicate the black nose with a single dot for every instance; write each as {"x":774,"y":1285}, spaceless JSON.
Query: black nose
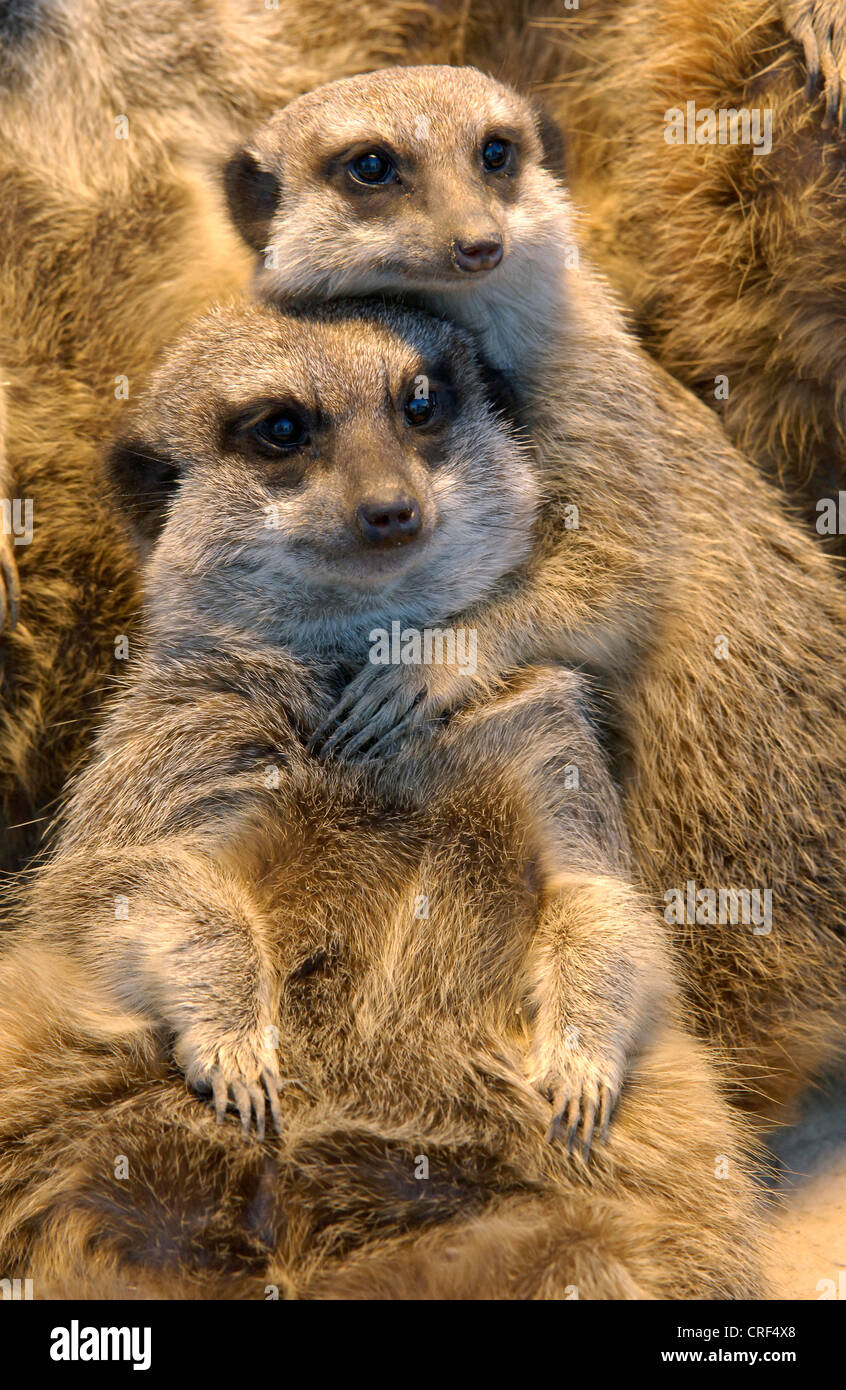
{"x":389,"y":523}
{"x":477,"y":255}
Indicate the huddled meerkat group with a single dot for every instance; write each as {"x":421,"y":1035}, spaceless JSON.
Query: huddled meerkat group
{"x":404,"y":918}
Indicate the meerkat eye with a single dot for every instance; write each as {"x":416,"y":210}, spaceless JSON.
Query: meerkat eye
{"x":372,"y":167}
{"x":421,"y":410}
{"x":283,"y":430}
{"x":497,"y":154}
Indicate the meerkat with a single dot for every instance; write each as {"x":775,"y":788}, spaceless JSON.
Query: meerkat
{"x":664,"y":564}
{"x":222,"y":902}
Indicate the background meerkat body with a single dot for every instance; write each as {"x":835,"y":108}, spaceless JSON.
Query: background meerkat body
{"x":665,"y":563}
{"x":730,"y":264}
{"x":91,"y":290}
{"x":334,"y":1209}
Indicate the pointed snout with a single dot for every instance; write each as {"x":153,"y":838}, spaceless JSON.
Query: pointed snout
{"x":388,"y":520}
{"x":476,"y":253}
{"x":384,"y":488}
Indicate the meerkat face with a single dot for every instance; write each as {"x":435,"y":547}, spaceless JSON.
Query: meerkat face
{"x":401,"y":180}
{"x":337,"y":460}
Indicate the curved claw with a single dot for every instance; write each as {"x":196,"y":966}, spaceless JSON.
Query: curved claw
{"x":581,"y":1118}
{"x":803,"y":32}
{"x":354,"y":741}
{"x":357,"y":720}
{"x":831,"y":77}
{"x":573,"y":1117}
{"x":241,"y":1097}
{"x":248,"y":1098}
{"x":350,"y":697}
{"x":820,"y":27}
{"x":607,"y":1102}
{"x":588,"y":1122}
{"x":258,"y":1104}
{"x":272,"y":1085}
{"x":220,"y":1092}
{"x":392,"y":741}
{"x":372,"y":719}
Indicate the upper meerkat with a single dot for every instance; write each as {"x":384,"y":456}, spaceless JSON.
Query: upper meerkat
{"x":663,"y":561}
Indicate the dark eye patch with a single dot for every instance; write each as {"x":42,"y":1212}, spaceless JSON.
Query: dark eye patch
{"x":278,"y":430}
{"x":553,"y":143}
{"x":422,"y":410}
{"x":365,"y":168}
{"x":430,"y":398}
{"x":500,"y":392}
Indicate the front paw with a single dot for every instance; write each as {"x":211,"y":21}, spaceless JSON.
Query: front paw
{"x":380,"y":710}
{"x":583,"y":1092}
{"x":242,"y":1075}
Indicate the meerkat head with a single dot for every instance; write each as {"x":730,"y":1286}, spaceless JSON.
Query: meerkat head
{"x":314,"y":468}
{"x":407,"y":179}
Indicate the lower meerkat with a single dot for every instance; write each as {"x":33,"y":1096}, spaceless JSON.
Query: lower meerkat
{"x":664,"y":563}
{"x":219,"y":893}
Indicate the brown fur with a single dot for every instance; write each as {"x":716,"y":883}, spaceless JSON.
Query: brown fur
{"x":193,"y":85}
{"x":9,"y":579}
{"x":110,"y":246}
{"x":535,"y":976}
{"x":714,"y":624}
{"x":729,"y":263}
{"x":332,"y":1209}
{"x":79,"y":313}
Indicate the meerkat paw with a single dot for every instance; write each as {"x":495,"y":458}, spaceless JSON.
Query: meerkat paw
{"x":381,"y":708}
{"x":243,"y":1077}
{"x":246,"y":1094}
{"x":583,"y":1094}
{"x":10,"y":591}
{"x":820,"y":27}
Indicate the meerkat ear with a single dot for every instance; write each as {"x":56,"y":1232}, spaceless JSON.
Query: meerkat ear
{"x":144,"y":481}
{"x":252,"y":195}
{"x":553,"y":144}
{"x":500,"y":392}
